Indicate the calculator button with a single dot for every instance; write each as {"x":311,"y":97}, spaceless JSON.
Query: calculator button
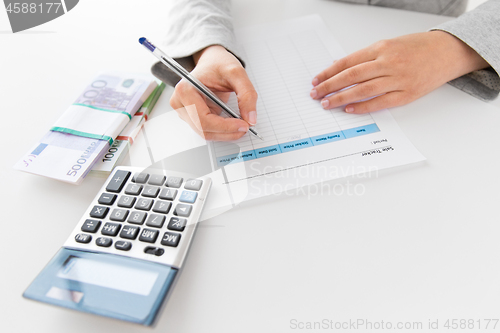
{"x":107,"y":199}
{"x":110,"y":229}
{"x":144,"y":204}
{"x":91,"y":225}
{"x":171,"y":239}
{"x":174,"y":182}
{"x":118,"y":215}
{"x":157,"y":180}
{"x":129,"y":232}
{"x":183,"y":210}
{"x":133,"y":189}
{"x":168,"y":194}
{"x":103,"y":241}
{"x":176,"y":224}
{"x":137,"y":217}
{"x":162,"y":206}
{"x":154,"y":250}
{"x":123,"y":245}
{"x":140,"y":178}
{"x":83,"y":238}
{"x":150,"y":191}
{"x":188,"y":196}
{"x":148,"y":235}
{"x":118,"y":181}
{"x":126,"y":201}
{"x":155,"y":220}
{"x":99,"y":212}
{"x":193,"y":184}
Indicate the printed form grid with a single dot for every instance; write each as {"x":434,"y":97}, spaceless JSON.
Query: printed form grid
{"x":281,"y":70}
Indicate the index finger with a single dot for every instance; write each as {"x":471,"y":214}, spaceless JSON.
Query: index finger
{"x":344,"y":63}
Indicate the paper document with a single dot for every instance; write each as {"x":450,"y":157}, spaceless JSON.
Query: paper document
{"x":304,"y":144}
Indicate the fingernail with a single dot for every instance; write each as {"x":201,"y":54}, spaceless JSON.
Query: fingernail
{"x":243,"y":129}
{"x":313,"y":93}
{"x":315,"y":81}
{"x":252,"y":117}
{"x":349,"y":108}
{"x":325,"y":103}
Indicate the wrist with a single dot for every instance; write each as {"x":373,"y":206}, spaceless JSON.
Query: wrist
{"x":209,"y":49}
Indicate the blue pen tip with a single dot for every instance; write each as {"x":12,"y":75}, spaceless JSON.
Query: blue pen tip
{"x":142,"y":40}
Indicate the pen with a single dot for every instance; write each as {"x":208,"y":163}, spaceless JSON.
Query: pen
{"x":179,"y":70}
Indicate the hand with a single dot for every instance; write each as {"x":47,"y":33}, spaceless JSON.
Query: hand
{"x":222,"y":73}
{"x":398,"y":71}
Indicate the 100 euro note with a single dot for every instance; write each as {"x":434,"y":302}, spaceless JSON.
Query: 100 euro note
{"x":69,"y":157}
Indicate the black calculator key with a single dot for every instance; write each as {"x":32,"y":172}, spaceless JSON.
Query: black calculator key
{"x":91,"y":225}
{"x":83,"y":238}
{"x":126,"y":201}
{"x":107,"y":199}
{"x":133,"y":189}
{"x":103,"y":241}
{"x":176,"y":224}
{"x":118,"y":181}
{"x":110,"y":229}
{"x":137,"y":217}
{"x":148,"y":235}
{"x":129,"y":232}
{"x":123,"y":245}
{"x":168,"y":194}
{"x":154,"y":250}
{"x":155,"y":220}
{"x":170,"y":239}
{"x":140,"y":178}
{"x":118,"y":215}
{"x":150,"y":191}
{"x":183,"y":210}
{"x":99,"y":212}
{"x":162,"y":206}
{"x":174,"y":182}
{"x":157,"y":180}
{"x":193,"y":184}
{"x":144,"y":204}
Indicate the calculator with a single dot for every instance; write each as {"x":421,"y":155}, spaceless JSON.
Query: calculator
{"x":125,"y":253}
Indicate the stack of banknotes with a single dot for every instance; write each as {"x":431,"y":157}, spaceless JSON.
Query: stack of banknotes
{"x":68,"y":155}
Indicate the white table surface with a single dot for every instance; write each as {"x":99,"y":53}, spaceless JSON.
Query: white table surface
{"x":420,"y":243}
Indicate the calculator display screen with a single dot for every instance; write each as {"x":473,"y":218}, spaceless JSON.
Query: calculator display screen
{"x":108,"y":275}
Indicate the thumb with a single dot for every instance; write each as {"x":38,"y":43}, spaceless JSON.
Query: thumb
{"x":247,"y":97}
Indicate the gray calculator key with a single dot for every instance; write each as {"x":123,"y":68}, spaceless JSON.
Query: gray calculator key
{"x":140,"y":178}
{"x":176,"y":224}
{"x":170,"y":239}
{"x":193,"y":184}
{"x":123,"y":245}
{"x":183,"y":210}
{"x":148,"y":235}
{"x":107,"y":199}
{"x":137,"y":217}
{"x":99,"y":212}
{"x":168,"y":194}
{"x":103,"y":241}
{"x":110,"y":229}
{"x":162,"y":206}
{"x":129,"y":232}
{"x":144,"y":204}
{"x":157,"y":180}
{"x":126,"y":201}
{"x":91,"y":225}
{"x":118,"y":181}
{"x":174,"y":182}
{"x":119,"y":215}
{"x":83,"y":238}
{"x":155,"y":220}
{"x":150,"y":191}
{"x":133,"y":189}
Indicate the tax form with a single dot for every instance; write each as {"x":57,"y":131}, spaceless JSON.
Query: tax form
{"x":303,"y":143}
